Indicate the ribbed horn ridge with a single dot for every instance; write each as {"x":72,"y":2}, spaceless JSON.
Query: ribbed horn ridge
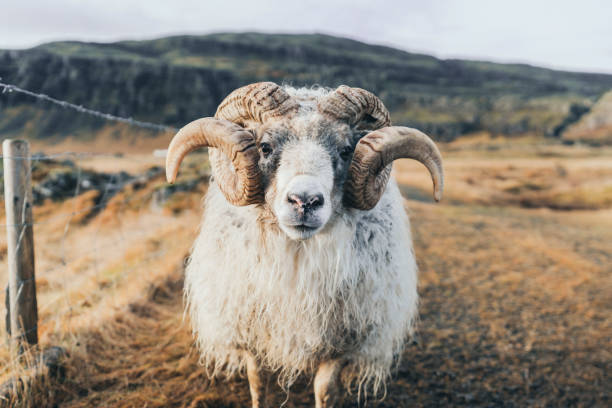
{"x":243,"y":185}
{"x":257,"y":102}
{"x":358,"y":107}
{"x":374,"y":154}
{"x":233,"y":154}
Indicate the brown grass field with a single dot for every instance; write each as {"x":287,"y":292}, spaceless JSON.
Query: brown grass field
{"x":515,"y":285}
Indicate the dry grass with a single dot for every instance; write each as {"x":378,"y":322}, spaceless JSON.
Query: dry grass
{"x":515,"y":306}
{"x":521,"y":173}
{"x":113,"y":138}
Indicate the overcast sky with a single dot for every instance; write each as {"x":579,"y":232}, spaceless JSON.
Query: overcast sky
{"x":572,"y":35}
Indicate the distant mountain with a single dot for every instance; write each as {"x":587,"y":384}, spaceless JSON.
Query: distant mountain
{"x":176,"y":79}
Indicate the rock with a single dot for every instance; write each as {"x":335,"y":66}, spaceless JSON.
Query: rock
{"x":163,"y":193}
{"x":595,"y":127}
{"x":71,"y":182}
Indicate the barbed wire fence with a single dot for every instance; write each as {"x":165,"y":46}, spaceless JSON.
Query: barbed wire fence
{"x":146,"y":125}
{"x":62,"y":253}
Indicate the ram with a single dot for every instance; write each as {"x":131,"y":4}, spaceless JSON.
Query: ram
{"x":304,"y":261}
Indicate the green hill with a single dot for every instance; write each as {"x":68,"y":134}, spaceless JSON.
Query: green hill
{"x":176,"y":79}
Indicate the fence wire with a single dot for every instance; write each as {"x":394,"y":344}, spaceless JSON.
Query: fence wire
{"x":147,"y":125}
{"x":105,"y":200}
{"x":68,"y":256}
{"x":56,"y":156}
{"x":58,"y":257}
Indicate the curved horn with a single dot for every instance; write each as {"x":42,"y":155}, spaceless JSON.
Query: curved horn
{"x":236,"y":165}
{"x":358,"y":107}
{"x":256,"y":103}
{"x":370,"y":168}
{"x":242,"y":186}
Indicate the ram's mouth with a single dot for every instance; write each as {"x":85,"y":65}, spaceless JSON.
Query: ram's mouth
{"x":304,"y":228}
{"x":300,"y":231}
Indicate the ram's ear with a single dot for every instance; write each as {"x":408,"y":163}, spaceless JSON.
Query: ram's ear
{"x":359,"y":134}
{"x":258,"y":131}
{"x":367,"y":123}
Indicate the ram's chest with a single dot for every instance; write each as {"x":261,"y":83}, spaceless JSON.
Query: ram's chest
{"x":325,"y":271}
{"x":321,"y":299}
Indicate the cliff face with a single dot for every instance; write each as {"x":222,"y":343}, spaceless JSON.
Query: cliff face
{"x":176,"y":79}
{"x":162,"y":93}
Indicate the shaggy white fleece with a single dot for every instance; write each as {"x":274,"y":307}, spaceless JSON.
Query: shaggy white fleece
{"x":350,"y":290}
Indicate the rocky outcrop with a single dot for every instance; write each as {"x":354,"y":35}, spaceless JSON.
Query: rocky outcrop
{"x":595,"y":127}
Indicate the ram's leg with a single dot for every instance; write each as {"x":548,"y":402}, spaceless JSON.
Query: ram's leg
{"x":327,"y":386}
{"x":258,"y":383}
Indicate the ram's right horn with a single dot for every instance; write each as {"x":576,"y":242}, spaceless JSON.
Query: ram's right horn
{"x":242,"y":185}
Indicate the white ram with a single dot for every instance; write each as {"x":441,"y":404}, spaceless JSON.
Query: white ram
{"x":304,"y":262}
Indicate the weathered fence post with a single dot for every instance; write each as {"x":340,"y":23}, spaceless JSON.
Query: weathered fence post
{"x":23,"y":309}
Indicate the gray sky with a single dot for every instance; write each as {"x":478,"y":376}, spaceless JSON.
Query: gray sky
{"x":573,"y":35}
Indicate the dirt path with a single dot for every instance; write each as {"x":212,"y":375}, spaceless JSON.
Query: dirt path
{"x":515,"y":312}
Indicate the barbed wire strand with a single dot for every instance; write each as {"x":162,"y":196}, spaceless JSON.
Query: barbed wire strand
{"x":69,"y":214}
{"x":77,"y":189}
{"x":95,"y":249}
{"x":65,"y":261}
{"x":79,"y":108}
{"x":117,"y":187}
{"x":82,"y":255}
{"x":101,"y":204}
{"x":148,"y":258}
{"x":53,"y":156}
{"x":111,"y":188}
{"x":106,"y":200}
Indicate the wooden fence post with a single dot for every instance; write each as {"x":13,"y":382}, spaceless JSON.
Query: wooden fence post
{"x":23,"y":309}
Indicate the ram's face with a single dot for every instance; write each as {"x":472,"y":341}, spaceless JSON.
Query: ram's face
{"x":304,"y":163}
{"x":293,"y":153}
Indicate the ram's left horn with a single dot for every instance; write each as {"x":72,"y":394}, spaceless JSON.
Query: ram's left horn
{"x":371,"y":165}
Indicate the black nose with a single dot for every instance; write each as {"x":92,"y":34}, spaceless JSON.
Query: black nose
{"x":305,"y":201}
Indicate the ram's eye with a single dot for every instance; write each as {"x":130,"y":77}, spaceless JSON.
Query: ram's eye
{"x":266,"y":149}
{"x":345,"y":152}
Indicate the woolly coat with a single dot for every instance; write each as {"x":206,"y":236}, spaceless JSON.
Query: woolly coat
{"x":349,"y":291}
